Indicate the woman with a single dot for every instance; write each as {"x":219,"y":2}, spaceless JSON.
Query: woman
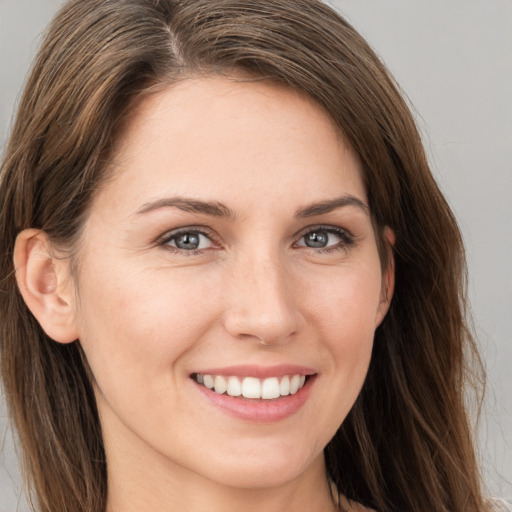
{"x":236,"y":285}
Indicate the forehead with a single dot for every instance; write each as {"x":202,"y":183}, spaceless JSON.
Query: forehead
{"x":215,"y":136}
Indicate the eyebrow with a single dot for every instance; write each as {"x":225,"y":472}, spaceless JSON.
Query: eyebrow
{"x":330,"y":205}
{"x":212,"y":208}
{"x":217,"y":209}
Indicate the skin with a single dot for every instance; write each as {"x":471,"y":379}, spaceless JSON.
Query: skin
{"x":149,"y":314}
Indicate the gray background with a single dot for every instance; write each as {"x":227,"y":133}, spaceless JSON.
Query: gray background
{"x":453,"y":58}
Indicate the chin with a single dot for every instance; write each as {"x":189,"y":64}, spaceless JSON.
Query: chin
{"x":264,"y":468}
{"x":255,"y":478}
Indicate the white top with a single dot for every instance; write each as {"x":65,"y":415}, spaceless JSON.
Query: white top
{"x":500,"y":505}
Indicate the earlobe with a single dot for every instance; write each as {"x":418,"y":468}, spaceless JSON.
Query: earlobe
{"x":44,"y":284}
{"x":388,"y":277}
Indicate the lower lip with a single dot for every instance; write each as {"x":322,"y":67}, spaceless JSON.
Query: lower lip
{"x":260,"y":411}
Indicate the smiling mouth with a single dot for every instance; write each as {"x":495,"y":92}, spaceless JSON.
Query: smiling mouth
{"x":252,"y":387}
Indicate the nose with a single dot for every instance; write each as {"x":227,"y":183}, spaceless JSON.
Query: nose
{"x":262,"y":302}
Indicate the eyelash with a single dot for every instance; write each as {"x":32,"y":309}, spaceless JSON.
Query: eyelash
{"x":192,"y":230}
{"x":347,"y":239}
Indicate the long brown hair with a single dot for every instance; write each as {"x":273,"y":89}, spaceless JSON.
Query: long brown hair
{"x":407,"y":443}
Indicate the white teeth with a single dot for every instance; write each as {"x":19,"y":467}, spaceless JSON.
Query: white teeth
{"x":221,"y":385}
{"x":270,"y":388}
{"x":285,"y":386}
{"x":252,"y":387}
{"x":294,"y":384}
{"x":234,"y":386}
{"x":208,"y":381}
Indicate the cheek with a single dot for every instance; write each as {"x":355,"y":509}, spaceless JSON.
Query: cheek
{"x":347,"y":303}
{"x":344,"y":311}
{"x":134,"y":325}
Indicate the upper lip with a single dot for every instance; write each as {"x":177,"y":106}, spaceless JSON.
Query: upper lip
{"x":261,"y":372}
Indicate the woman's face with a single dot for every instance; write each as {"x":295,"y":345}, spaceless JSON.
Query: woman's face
{"x":232,"y":247}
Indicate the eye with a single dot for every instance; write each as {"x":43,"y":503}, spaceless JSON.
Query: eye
{"x":187,"y":240}
{"x":326,"y":238}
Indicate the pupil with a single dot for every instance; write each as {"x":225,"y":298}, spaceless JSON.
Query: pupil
{"x":188,"y":241}
{"x":317,"y":239}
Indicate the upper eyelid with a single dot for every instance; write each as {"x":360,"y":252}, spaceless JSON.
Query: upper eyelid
{"x":203,"y":230}
{"x":325,"y":227}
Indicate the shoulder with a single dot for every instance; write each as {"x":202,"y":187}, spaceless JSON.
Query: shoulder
{"x":500,"y":505}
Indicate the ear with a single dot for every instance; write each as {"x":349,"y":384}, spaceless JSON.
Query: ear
{"x":45,"y":285}
{"x":388,"y":278}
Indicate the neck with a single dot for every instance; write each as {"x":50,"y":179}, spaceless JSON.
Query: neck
{"x":162,"y":486}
